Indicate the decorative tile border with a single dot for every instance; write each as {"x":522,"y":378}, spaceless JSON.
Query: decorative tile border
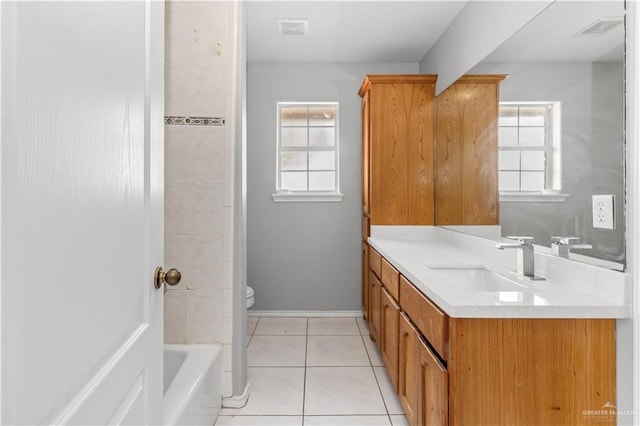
{"x":194,"y":121}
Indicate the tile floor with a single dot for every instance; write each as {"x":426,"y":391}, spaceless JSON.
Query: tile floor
{"x":315,"y":372}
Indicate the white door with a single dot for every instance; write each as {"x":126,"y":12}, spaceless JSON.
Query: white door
{"x":81,"y":212}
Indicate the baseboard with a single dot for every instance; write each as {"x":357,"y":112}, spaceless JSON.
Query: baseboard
{"x":236,"y":401}
{"x":313,"y":314}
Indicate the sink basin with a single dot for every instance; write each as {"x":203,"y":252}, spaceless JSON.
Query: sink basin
{"x":474,"y":278}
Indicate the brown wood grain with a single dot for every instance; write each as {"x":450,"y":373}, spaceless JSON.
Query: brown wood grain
{"x":409,"y":352}
{"x":433,"y":409}
{"x":365,"y":280}
{"x":399,"y":140}
{"x":531,"y":371}
{"x":390,"y":319}
{"x":375,"y":262}
{"x":365,"y":154}
{"x":375,"y":320}
{"x":428,"y":318}
{"x":466,"y":159}
{"x":390,"y":279}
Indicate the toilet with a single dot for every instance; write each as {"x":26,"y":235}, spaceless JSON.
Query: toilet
{"x":250,"y":299}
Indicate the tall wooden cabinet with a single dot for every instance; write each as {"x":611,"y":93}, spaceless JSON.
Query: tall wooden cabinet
{"x":398,"y":116}
{"x":466,"y":165}
{"x":398,"y":148}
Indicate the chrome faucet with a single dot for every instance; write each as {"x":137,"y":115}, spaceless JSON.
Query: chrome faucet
{"x":562,"y":245}
{"x":525,"y":264}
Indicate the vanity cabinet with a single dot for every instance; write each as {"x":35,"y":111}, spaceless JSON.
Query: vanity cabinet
{"x":390,"y":318}
{"x":494,"y":371}
{"x":466,"y":164}
{"x":375,"y":312}
{"x":409,"y":346}
{"x":365,"y":280}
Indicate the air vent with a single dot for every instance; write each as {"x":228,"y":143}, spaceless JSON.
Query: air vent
{"x":293,"y":27}
{"x":601,"y":26}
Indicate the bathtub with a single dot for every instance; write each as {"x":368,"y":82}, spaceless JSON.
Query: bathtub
{"x":192,"y":384}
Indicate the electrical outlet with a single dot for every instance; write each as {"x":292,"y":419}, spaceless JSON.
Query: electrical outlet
{"x":603,"y":213}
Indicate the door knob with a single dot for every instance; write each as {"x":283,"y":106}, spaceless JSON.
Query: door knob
{"x":171,"y":277}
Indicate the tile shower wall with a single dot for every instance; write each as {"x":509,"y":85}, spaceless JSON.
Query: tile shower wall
{"x":199,"y":173}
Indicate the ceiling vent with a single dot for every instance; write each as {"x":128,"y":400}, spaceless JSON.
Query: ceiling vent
{"x":293,"y":27}
{"x":601,"y":26}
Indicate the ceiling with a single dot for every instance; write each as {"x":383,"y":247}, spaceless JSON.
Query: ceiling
{"x":551,"y":36}
{"x":348,"y":30}
{"x":404,"y":31}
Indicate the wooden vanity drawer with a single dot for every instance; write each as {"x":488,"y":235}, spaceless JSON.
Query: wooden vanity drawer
{"x":430,"y":320}
{"x":390,"y":278}
{"x":375,"y":262}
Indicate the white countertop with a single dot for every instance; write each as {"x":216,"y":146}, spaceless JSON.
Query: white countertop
{"x":570,"y":289}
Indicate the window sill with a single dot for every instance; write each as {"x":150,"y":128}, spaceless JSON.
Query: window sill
{"x":304,"y":197}
{"x":533,"y":197}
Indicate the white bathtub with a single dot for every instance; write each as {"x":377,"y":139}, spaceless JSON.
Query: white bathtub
{"x":192,"y":384}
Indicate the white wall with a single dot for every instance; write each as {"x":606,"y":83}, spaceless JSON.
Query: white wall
{"x":305,"y":256}
{"x":479,"y":28}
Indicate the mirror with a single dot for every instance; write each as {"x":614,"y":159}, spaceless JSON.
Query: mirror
{"x":562,"y":128}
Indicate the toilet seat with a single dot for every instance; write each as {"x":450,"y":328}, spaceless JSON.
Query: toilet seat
{"x":250,"y":297}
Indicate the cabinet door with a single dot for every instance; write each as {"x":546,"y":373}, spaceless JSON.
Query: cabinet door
{"x":401,"y":153}
{"x":434,"y":392}
{"x":365,"y":280}
{"x":467,"y":152}
{"x":390,"y":319}
{"x":408,"y":369}
{"x":374,"y":307}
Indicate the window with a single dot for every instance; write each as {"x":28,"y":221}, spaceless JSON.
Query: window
{"x":529,"y":151}
{"x":308,"y":155}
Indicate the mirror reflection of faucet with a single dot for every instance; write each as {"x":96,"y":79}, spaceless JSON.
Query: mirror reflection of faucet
{"x":525,"y":266}
{"x":562,"y":246}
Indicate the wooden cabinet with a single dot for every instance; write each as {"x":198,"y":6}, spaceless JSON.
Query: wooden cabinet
{"x":409,"y":347}
{"x":375,"y":313}
{"x":466,"y":164}
{"x":398,"y":116}
{"x":430,"y":320}
{"x":390,"y":318}
{"x":433,"y":406}
{"x":390,"y":278}
{"x":365,"y":280}
{"x":494,"y":371}
{"x":512,"y":371}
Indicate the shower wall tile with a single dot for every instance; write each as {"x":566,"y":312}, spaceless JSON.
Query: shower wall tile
{"x":176,"y":34}
{"x":228,"y":220}
{"x":206,"y":160}
{"x":199,"y":180}
{"x":175,"y":153}
{"x":208,"y":28}
{"x":175,"y":196}
{"x":175,"y":317}
{"x":205,"y":266}
{"x":204,"y":214}
{"x":204,"y":316}
{"x":175,"y":256}
{"x":229,"y":166}
{"x":176,"y":90}
{"x":228,"y":248}
{"x":228,"y":192}
{"x":207,"y":91}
